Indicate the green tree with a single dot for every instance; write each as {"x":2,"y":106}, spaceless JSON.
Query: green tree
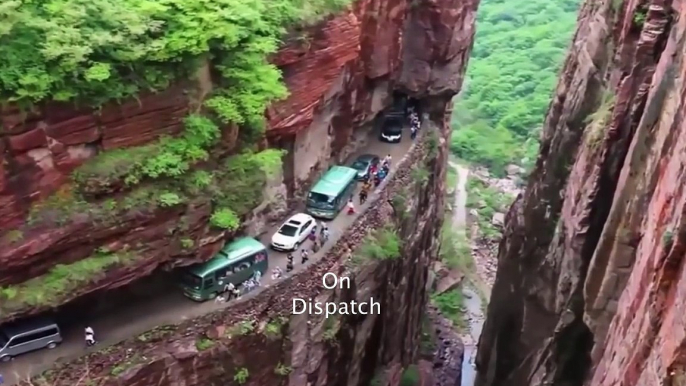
{"x":518,"y":50}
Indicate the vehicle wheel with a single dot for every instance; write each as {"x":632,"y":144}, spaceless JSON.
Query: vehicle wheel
{"x":6,"y":358}
{"x":51,"y":345}
{"x":213,"y":295}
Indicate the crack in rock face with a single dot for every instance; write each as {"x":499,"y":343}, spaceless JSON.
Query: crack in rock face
{"x":590,"y":268}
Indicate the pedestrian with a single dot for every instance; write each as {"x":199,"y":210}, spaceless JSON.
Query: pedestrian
{"x":372,"y":169}
{"x":258,"y":277}
{"x":313,"y":234}
{"x":351,"y":206}
{"x":385,"y":171}
{"x":367,"y":186}
{"x":325,"y":236}
{"x":2,"y":380}
{"x":289,"y":264}
{"x":249,"y":286}
{"x":277,"y":273}
{"x":413,"y":132}
{"x":236,"y":293}
{"x":387,"y":160}
{"x":363,"y":196}
{"x":304,"y":256}
{"x":315,"y":246}
{"x":228,"y":289}
{"x":90,"y":336}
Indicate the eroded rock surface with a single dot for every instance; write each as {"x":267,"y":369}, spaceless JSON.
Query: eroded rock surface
{"x":260,"y":340}
{"x":340,"y":74}
{"x":590,"y":271}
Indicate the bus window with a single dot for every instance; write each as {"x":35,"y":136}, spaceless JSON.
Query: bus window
{"x":318,"y":200}
{"x":191,"y":280}
{"x":209,"y":282}
{"x":260,"y":257}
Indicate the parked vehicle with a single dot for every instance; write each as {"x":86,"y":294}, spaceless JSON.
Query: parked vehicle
{"x":293,"y":232}
{"x":235,"y":263}
{"x":363,"y":163}
{"x":330,"y":194}
{"x":392,"y":130}
{"x":21,"y":337}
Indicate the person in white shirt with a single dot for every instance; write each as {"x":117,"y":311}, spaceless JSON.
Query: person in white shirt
{"x":387,"y":160}
{"x":90,"y":336}
{"x":276,"y":273}
{"x":351,"y":207}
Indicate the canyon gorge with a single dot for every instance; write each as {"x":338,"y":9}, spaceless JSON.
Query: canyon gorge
{"x":85,"y":215}
{"x":590,"y":275}
{"x":590,"y":281}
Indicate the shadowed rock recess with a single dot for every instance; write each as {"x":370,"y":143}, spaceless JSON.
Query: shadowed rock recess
{"x":591,"y":279}
{"x":66,"y":197}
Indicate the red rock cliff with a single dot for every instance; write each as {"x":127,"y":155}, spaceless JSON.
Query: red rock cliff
{"x":339,"y":73}
{"x":591,"y":274}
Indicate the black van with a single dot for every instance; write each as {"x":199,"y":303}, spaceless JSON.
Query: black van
{"x":392,"y":129}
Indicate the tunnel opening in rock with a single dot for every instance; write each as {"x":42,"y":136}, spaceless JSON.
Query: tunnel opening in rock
{"x":158,"y":288}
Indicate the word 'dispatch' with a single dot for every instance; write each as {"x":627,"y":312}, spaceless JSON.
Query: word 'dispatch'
{"x":331,"y":281}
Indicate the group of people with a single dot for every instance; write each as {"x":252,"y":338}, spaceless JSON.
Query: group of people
{"x":232,"y":291}
{"x":415,"y":123}
{"x":318,"y":240}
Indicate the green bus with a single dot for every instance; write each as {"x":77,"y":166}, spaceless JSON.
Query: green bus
{"x":235,"y":263}
{"x":330,"y":194}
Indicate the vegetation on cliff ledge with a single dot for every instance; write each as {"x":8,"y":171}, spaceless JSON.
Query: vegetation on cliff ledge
{"x":518,"y":50}
{"x":93,"y":52}
{"x":60,"y":282}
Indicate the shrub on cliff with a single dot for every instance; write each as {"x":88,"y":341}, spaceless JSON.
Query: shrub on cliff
{"x":93,"y":51}
{"x":60,"y":283}
{"x":382,"y":244}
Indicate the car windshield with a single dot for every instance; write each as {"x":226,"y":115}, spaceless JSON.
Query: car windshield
{"x":288,"y":230}
{"x":318,"y":200}
{"x":393,"y":128}
{"x":359,"y":165}
{"x":191,"y":280}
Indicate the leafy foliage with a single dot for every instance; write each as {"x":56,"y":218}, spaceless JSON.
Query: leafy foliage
{"x":225,"y":218}
{"x":203,"y":344}
{"x":519,"y":47}
{"x":410,"y":376}
{"x":92,"y":51}
{"x":451,"y":305}
{"x":241,"y":375}
{"x":487,"y":201}
{"x":382,"y":244}
{"x":56,"y":285}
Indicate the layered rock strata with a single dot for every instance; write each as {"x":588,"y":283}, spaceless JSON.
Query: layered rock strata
{"x":590,"y":269}
{"x":259,"y":342}
{"x":340,"y":74}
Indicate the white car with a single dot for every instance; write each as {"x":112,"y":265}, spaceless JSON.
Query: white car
{"x":293,"y":232}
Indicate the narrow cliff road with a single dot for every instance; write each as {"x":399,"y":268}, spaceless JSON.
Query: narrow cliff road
{"x":138,"y":317}
{"x":472,"y":300}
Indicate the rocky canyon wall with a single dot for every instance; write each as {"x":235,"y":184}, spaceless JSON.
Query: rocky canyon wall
{"x":258,"y":341}
{"x":591,"y":266}
{"x":340,"y":73}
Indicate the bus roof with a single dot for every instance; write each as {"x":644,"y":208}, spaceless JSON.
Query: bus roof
{"x":231,"y":253}
{"x":334,"y":181}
